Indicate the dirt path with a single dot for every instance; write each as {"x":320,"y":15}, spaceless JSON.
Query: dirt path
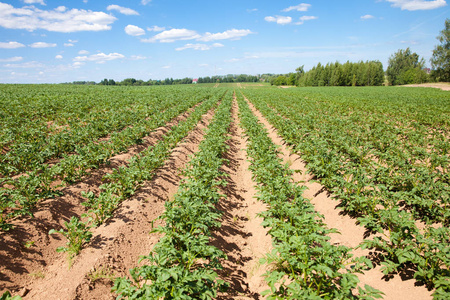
{"x":241,"y":236}
{"x":41,"y":273}
{"x":445,"y":86}
{"x":351,"y":233}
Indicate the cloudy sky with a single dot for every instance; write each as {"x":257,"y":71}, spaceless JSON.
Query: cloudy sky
{"x":52,"y":41}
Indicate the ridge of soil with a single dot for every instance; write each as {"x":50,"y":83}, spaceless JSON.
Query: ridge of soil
{"x":38,"y":272}
{"x":351,"y":234}
{"x":241,"y":236}
{"x":41,"y":273}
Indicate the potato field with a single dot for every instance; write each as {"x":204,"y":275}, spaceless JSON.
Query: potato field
{"x":224,"y":191}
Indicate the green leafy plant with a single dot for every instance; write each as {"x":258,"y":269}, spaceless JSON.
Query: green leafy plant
{"x":77,"y":234}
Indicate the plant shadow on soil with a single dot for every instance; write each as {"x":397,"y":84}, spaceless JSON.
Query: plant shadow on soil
{"x":15,"y":255}
{"x":231,"y":230}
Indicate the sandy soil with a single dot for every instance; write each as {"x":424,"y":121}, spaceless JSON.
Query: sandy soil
{"x":351,"y":234}
{"x":241,"y":236}
{"x":445,"y":86}
{"x":38,"y":272}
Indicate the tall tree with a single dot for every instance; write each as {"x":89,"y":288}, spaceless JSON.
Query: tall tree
{"x":405,"y":67}
{"x":440,"y":61}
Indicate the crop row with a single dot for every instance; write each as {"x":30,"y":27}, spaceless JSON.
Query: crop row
{"x":182,"y":264}
{"x":307,"y":265}
{"x":385,"y":188}
{"x":41,"y":126}
{"x":19,"y":195}
{"x":124,"y":181}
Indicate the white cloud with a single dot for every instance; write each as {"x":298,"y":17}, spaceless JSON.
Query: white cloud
{"x":252,"y":10}
{"x":156,"y":28}
{"x":99,"y":58}
{"x":173,"y":35}
{"x":246,"y":57}
{"x":11,"y":59}
{"x":83,"y":52}
{"x":300,"y":7}
{"x":305,"y":18}
{"x":26,"y":65}
{"x":134,"y":30}
{"x":279,"y":19}
{"x":57,"y":20}
{"x":11,"y":45}
{"x":137,"y":57}
{"x":122,"y":10}
{"x":71,"y":43}
{"x":234,"y":34}
{"x":367,"y":17}
{"x":166,"y":67}
{"x":42,"y":45}
{"x":202,"y":47}
{"x":41,"y":2}
{"x":77,"y":64}
{"x":410,"y":42}
{"x":58,"y":56}
{"x":145,"y":2}
{"x":417,"y":4}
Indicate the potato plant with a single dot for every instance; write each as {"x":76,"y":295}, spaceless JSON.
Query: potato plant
{"x":388,"y":171}
{"x":183,"y":264}
{"x":306,"y":264}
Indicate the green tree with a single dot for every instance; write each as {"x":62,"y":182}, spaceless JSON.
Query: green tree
{"x":440,"y":61}
{"x":402,"y":65}
{"x":128,"y":81}
{"x":290,"y":80}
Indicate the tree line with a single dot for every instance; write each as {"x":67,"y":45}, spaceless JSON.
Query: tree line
{"x":404,"y":67}
{"x":186,"y":80}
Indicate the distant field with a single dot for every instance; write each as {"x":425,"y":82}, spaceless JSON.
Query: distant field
{"x":369,"y":162}
{"x":236,"y":84}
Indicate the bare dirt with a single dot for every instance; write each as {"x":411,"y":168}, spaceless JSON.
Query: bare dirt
{"x":445,"y":86}
{"x":241,"y":236}
{"x":38,"y":272}
{"x":351,"y":234}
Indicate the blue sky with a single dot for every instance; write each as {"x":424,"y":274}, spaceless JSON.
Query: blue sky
{"x":53,"y":41}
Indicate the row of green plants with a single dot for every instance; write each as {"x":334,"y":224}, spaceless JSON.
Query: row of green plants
{"x":124,"y":181}
{"x":19,"y":195}
{"x":42,"y":123}
{"x":381,"y":171}
{"x":305,"y":265}
{"x":183,"y":264}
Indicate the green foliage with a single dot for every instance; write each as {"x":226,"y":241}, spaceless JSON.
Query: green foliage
{"x":280,"y":80}
{"x":101,"y":207}
{"x":405,"y":67}
{"x":71,"y":143}
{"x":77,"y":234}
{"x":7,"y":296}
{"x":389,"y":172}
{"x":369,"y":73}
{"x":182,"y":265}
{"x":306,"y":265}
{"x":440,"y":61}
